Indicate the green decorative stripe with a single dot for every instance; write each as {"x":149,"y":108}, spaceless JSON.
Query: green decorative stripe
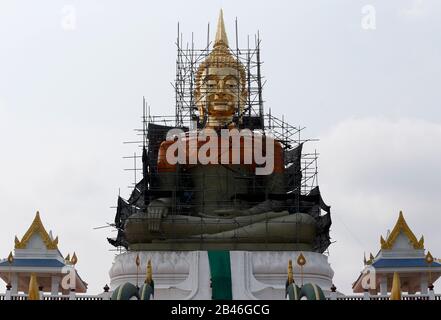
{"x":220,"y":269}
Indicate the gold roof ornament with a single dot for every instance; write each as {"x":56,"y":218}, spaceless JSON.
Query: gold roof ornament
{"x":371,"y":259}
{"x":10,"y":258}
{"x":149,"y":273}
{"x":401,"y":226}
{"x":290,"y":272}
{"x":67,"y":259}
{"x":301,"y":260}
{"x":395,"y":293}
{"x":34,"y":293}
{"x":16,"y":241}
{"x":74,"y":259}
{"x":429,"y":258}
{"x":37,"y":228}
{"x":137,"y":260}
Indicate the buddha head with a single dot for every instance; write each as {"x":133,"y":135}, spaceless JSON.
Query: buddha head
{"x":220,"y":83}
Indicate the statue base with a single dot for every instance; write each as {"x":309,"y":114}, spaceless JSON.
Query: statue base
{"x":185,"y":245}
{"x":255,"y":275}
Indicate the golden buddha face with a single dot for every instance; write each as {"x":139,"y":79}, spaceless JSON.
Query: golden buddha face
{"x":220,"y":94}
{"x":220,"y":89}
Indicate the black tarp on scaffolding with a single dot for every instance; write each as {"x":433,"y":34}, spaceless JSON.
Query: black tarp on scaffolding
{"x":311,"y":203}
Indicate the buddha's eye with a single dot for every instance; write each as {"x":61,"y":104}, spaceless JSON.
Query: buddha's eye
{"x":231,"y":84}
{"x":211,"y":84}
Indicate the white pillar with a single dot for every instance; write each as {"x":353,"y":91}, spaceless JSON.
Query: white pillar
{"x":72,"y":294}
{"x":8,"y":293}
{"x":14,"y":283}
{"x":431,"y":295}
{"x":366,"y":295}
{"x":106,"y":293}
{"x":333,"y":294}
{"x":383,"y":285}
{"x":55,"y":285}
{"x":424,"y":284}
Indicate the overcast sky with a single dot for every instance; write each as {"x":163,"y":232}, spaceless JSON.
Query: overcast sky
{"x":70,"y":94}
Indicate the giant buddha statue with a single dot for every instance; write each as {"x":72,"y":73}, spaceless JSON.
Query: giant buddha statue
{"x":212,"y":204}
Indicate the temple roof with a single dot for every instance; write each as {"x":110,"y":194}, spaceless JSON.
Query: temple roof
{"x":47,"y":263}
{"x":401,"y":227}
{"x":37,"y":227}
{"x":403,"y":263}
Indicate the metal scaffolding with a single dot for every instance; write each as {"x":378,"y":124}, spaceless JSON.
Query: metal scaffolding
{"x":187,"y":118}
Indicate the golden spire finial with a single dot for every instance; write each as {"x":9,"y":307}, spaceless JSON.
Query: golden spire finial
{"x":149,"y":273}
{"x":74,"y":259}
{"x":10,"y":258}
{"x":221,"y":35}
{"x":37,"y":218}
{"x":67,"y":259}
{"x":34,"y":293}
{"x":301,"y":260}
{"x":290,"y":272}
{"x":429,"y":257}
{"x":395,"y":293}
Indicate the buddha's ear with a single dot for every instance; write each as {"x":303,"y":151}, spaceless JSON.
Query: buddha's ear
{"x":244,"y":96}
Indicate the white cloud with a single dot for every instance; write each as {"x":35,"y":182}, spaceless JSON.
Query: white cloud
{"x":370,"y":170}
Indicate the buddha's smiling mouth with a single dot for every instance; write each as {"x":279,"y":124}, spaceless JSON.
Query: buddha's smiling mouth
{"x":225,"y":104}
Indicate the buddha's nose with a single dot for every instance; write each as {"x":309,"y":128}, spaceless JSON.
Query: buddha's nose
{"x":220,"y":90}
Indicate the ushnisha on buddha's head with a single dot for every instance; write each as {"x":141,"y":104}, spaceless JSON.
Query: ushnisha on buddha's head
{"x":220,"y":83}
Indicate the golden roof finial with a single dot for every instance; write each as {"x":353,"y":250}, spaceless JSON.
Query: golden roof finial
{"x":34,"y":293}
{"x":10,"y":258}
{"x":395,"y":293}
{"x":301,"y":260}
{"x":290,"y":272}
{"x":74,"y":259}
{"x":67,"y":259}
{"x":429,"y":257}
{"x":137,"y":260}
{"x":16,"y":241}
{"x":221,"y":36}
{"x":149,"y":273}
